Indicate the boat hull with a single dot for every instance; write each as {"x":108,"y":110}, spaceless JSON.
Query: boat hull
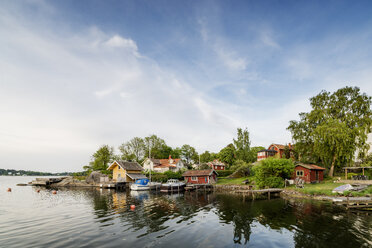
{"x":139,"y":187}
{"x":172,"y":188}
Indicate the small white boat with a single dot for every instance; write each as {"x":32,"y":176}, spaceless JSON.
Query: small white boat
{"x":140,"y":184}
{"x":173,"y":185}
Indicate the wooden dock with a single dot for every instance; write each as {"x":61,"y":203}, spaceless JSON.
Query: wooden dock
{"x":204,"y":187}
{"x":356,"y":204}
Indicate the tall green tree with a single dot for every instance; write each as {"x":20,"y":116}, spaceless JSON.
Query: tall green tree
{"x":345,"y":113}
{"x":157,"y":146}
{"x":133,"y":150}
{"x":189,"y":154}
{"x":243,"y":145}
{"x":101,"y":158}
{"x":227,"y":154}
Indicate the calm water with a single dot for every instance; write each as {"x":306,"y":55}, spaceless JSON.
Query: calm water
{"x":102,"y":218}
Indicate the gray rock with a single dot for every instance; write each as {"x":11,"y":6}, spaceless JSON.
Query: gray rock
{"x":95,"y":177}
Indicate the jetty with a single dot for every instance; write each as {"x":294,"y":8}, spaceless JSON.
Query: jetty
{"x":355,"y":203}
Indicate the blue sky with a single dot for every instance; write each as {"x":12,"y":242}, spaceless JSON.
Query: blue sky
{"x":79,"y":74}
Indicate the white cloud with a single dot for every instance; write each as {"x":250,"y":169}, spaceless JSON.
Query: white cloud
{"x":120,"y":42}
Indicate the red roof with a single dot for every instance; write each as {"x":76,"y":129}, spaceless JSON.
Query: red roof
{"x":162,"y":163}
{"x":310,"y":166}
{"x":196,"y":173}
{"x":216,"y":162}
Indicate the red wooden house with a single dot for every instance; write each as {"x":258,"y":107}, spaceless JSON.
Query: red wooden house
{"x":310,"y":173}
{"x":274,"y":150}
{"x":200,"y":176}
{"x":217,"y":165}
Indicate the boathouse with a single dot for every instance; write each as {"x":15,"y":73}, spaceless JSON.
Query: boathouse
{"x":217,"y":165}
{"x":310,"y":173}
{"x":123,"y":171}
{"x":200,"y":176}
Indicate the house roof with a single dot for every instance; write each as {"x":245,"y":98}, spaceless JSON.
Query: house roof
{"x":135,"y":176}
{"x":196,"y":173}
{"x":134,"y":166}
{"x":161,"y":163}
{"x":310,"y":166}
{"x":281,"y":147}
{"x":216,"y":162}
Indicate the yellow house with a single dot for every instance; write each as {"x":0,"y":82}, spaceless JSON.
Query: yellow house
{"x":123,"y":171}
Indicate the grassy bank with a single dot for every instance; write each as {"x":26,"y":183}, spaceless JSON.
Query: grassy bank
{"x":232,"y":181}
{"x":326,"y":187}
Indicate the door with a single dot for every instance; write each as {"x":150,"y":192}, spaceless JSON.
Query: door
{"x":317,"y":175}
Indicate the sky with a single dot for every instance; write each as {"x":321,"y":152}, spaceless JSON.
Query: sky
{"x":75,"y":75}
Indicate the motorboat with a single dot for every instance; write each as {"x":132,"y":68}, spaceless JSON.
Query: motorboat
{"x":140,"y":184}
{"x":154,"y":185}
{"x":172,"y":185}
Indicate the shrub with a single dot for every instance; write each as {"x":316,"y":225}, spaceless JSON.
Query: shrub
{"x":271,"y":172}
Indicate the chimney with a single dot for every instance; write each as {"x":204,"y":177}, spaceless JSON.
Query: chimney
{"x":289,"y":145}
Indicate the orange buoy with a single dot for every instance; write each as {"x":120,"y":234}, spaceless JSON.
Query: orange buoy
{"x":54,"y":192}
{"x":38,"y":191}
{"x":132,"y":207}
{"x":9,"y":190}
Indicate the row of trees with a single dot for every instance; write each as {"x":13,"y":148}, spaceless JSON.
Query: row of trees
{"x":335,"y":130}
{"x":138,"y":149}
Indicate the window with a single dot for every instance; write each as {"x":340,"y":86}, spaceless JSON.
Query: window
{"x":300,"y":173}
{"x":194,"y":179}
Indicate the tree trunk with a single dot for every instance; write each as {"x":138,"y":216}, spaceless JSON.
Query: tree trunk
{"x":330,"y":174}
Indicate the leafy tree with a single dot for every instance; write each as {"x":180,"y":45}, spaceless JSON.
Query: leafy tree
{"x":189,"y":154}
{"x":133,"y":150}
{"x":101,"y":158}
{"x":271,"y":172}
{"x":347,"y":114}
{"x":334,"y":141}
{"x":242,"y":145}
{"x":176,"y":152}
{"x":158,"y":147}
{"x":227,"y":154}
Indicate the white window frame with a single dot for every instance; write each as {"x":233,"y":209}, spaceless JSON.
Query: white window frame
{"x":194,"y":178}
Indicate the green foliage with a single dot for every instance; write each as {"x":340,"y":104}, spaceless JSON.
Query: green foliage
{"x":189,"y":154}
{"x":335,"y":128}
{"x":164,"y":177}
{"x":237,"y":164}
{"x":271,"y":172}
{"x":242,"y":146}
{"x":207,"y":157}
{"x":204,"y":166}
{"x":133,"y":150}
{"x":101,"y":158}
{"x":227,"y":154}
{"x":224,"y":173}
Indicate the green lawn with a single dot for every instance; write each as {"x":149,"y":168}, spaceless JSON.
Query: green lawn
{"x":232,"y":181}
{"x":326,"y":187}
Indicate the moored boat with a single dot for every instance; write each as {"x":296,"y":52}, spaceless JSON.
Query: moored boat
{"x":140,"y":184}
{"x":172,"y":185}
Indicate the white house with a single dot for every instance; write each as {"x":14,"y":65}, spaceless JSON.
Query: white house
{"x":162,"y":165}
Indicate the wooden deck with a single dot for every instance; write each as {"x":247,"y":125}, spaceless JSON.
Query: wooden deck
{"x":356,"y":204}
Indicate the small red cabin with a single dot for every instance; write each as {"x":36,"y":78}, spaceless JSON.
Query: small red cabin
{"x":217,"y":165}
{"x":310,"y":173}
{"x":200,"y":176}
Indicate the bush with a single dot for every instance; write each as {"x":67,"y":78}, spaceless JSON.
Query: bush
{"x":224,"y":173}
{"x":271,"y":172}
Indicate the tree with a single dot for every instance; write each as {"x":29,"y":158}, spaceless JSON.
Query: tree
{"x":189,"y":154}
{"x":333,"y":141}
{"x":101,"y":158}
{"x":227,"y":154}
{"x":347,"y":113}
{"x":242,"y":145}
{"x":157,"y":146}
{"x":133,"y":150}
{"x":271,"y":172}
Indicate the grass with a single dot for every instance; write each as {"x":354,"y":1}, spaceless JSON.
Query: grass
{"x":326,"y":187}
{"x":232,"y":181}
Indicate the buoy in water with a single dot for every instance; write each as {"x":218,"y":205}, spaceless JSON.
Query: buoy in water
{"x":9,"y":190}
{"x":54,"y":192}
{"x":38,"y":191}
{"x":132,"y":207}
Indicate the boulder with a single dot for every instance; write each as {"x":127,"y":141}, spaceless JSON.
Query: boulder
{"x":95,"y":177}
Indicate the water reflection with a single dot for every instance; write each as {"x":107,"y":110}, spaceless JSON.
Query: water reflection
{"x":303,"y":223}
